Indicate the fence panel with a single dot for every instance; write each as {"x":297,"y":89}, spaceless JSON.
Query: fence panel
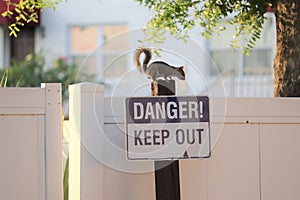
{"x":252,"y":157}
{"x":280,"y":153}
{"x":30,"y":143}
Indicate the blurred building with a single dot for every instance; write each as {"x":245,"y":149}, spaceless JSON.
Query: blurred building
{"x":101,"y":36}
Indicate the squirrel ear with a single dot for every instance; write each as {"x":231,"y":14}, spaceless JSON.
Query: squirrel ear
{"x":182,"y":67}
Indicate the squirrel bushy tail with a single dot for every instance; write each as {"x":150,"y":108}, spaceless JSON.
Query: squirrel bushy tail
{"x":146,"y":60}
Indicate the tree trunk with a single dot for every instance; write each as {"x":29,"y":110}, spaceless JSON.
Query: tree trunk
{"x":287,"y":59}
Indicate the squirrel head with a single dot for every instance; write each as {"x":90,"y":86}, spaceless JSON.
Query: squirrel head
{"x":181,"y":73}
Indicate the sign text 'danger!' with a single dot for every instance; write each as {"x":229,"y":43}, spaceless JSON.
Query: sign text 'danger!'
{"x":168,"y":110}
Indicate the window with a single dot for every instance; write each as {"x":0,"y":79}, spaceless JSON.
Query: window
{"x":22,"y":45}
{"x":259,"y":61}
{"x":115,"y":65}
{"x":97,"y":49}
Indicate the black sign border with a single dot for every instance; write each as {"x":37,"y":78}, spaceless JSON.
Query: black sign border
{"x":206,"y":110}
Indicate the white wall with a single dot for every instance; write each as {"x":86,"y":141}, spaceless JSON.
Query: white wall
{"x":86,"y":12}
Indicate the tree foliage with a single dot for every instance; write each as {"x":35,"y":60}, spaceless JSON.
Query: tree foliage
{"x":247,"y":16}
{"x":25,"y":11}
{"x":180,"y":16}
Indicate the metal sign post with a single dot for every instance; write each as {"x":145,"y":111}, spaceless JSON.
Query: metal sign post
{"x":167,"y":182}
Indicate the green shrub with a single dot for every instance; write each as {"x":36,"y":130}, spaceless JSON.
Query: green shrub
{"x":33,"y":71}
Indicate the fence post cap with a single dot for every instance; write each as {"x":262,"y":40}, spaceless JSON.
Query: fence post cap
{"x":87,"y":87}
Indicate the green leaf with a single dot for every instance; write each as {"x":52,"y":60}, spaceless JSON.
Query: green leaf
{"x":23,"y":17}
{"x":4,"y":76}
{"x":17,"y":10}
{"x":17,"y":29}
{"x":13,"y":33}
{"x":4,"y":14}
{"x":5,"y":79}
{"x":19,"y":81}
{"x":66,"y":180}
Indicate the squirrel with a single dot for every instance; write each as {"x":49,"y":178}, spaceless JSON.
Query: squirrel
{"x":157,"y":69}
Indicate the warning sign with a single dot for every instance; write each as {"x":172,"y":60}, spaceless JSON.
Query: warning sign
{"x":167,"y":127}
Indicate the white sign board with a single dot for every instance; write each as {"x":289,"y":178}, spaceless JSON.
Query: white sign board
{"x":167,"y":127}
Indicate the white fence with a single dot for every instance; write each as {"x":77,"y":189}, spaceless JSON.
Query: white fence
{"x":255,"y":152}
{"x":31,"y":143}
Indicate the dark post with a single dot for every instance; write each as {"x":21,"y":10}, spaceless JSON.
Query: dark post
{"x":166,"y":172}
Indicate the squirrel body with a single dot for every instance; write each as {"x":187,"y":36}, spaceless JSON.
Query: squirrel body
{"x":157,"y":69}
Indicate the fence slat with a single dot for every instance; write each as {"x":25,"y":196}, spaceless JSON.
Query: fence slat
{"x":53,"y":140}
